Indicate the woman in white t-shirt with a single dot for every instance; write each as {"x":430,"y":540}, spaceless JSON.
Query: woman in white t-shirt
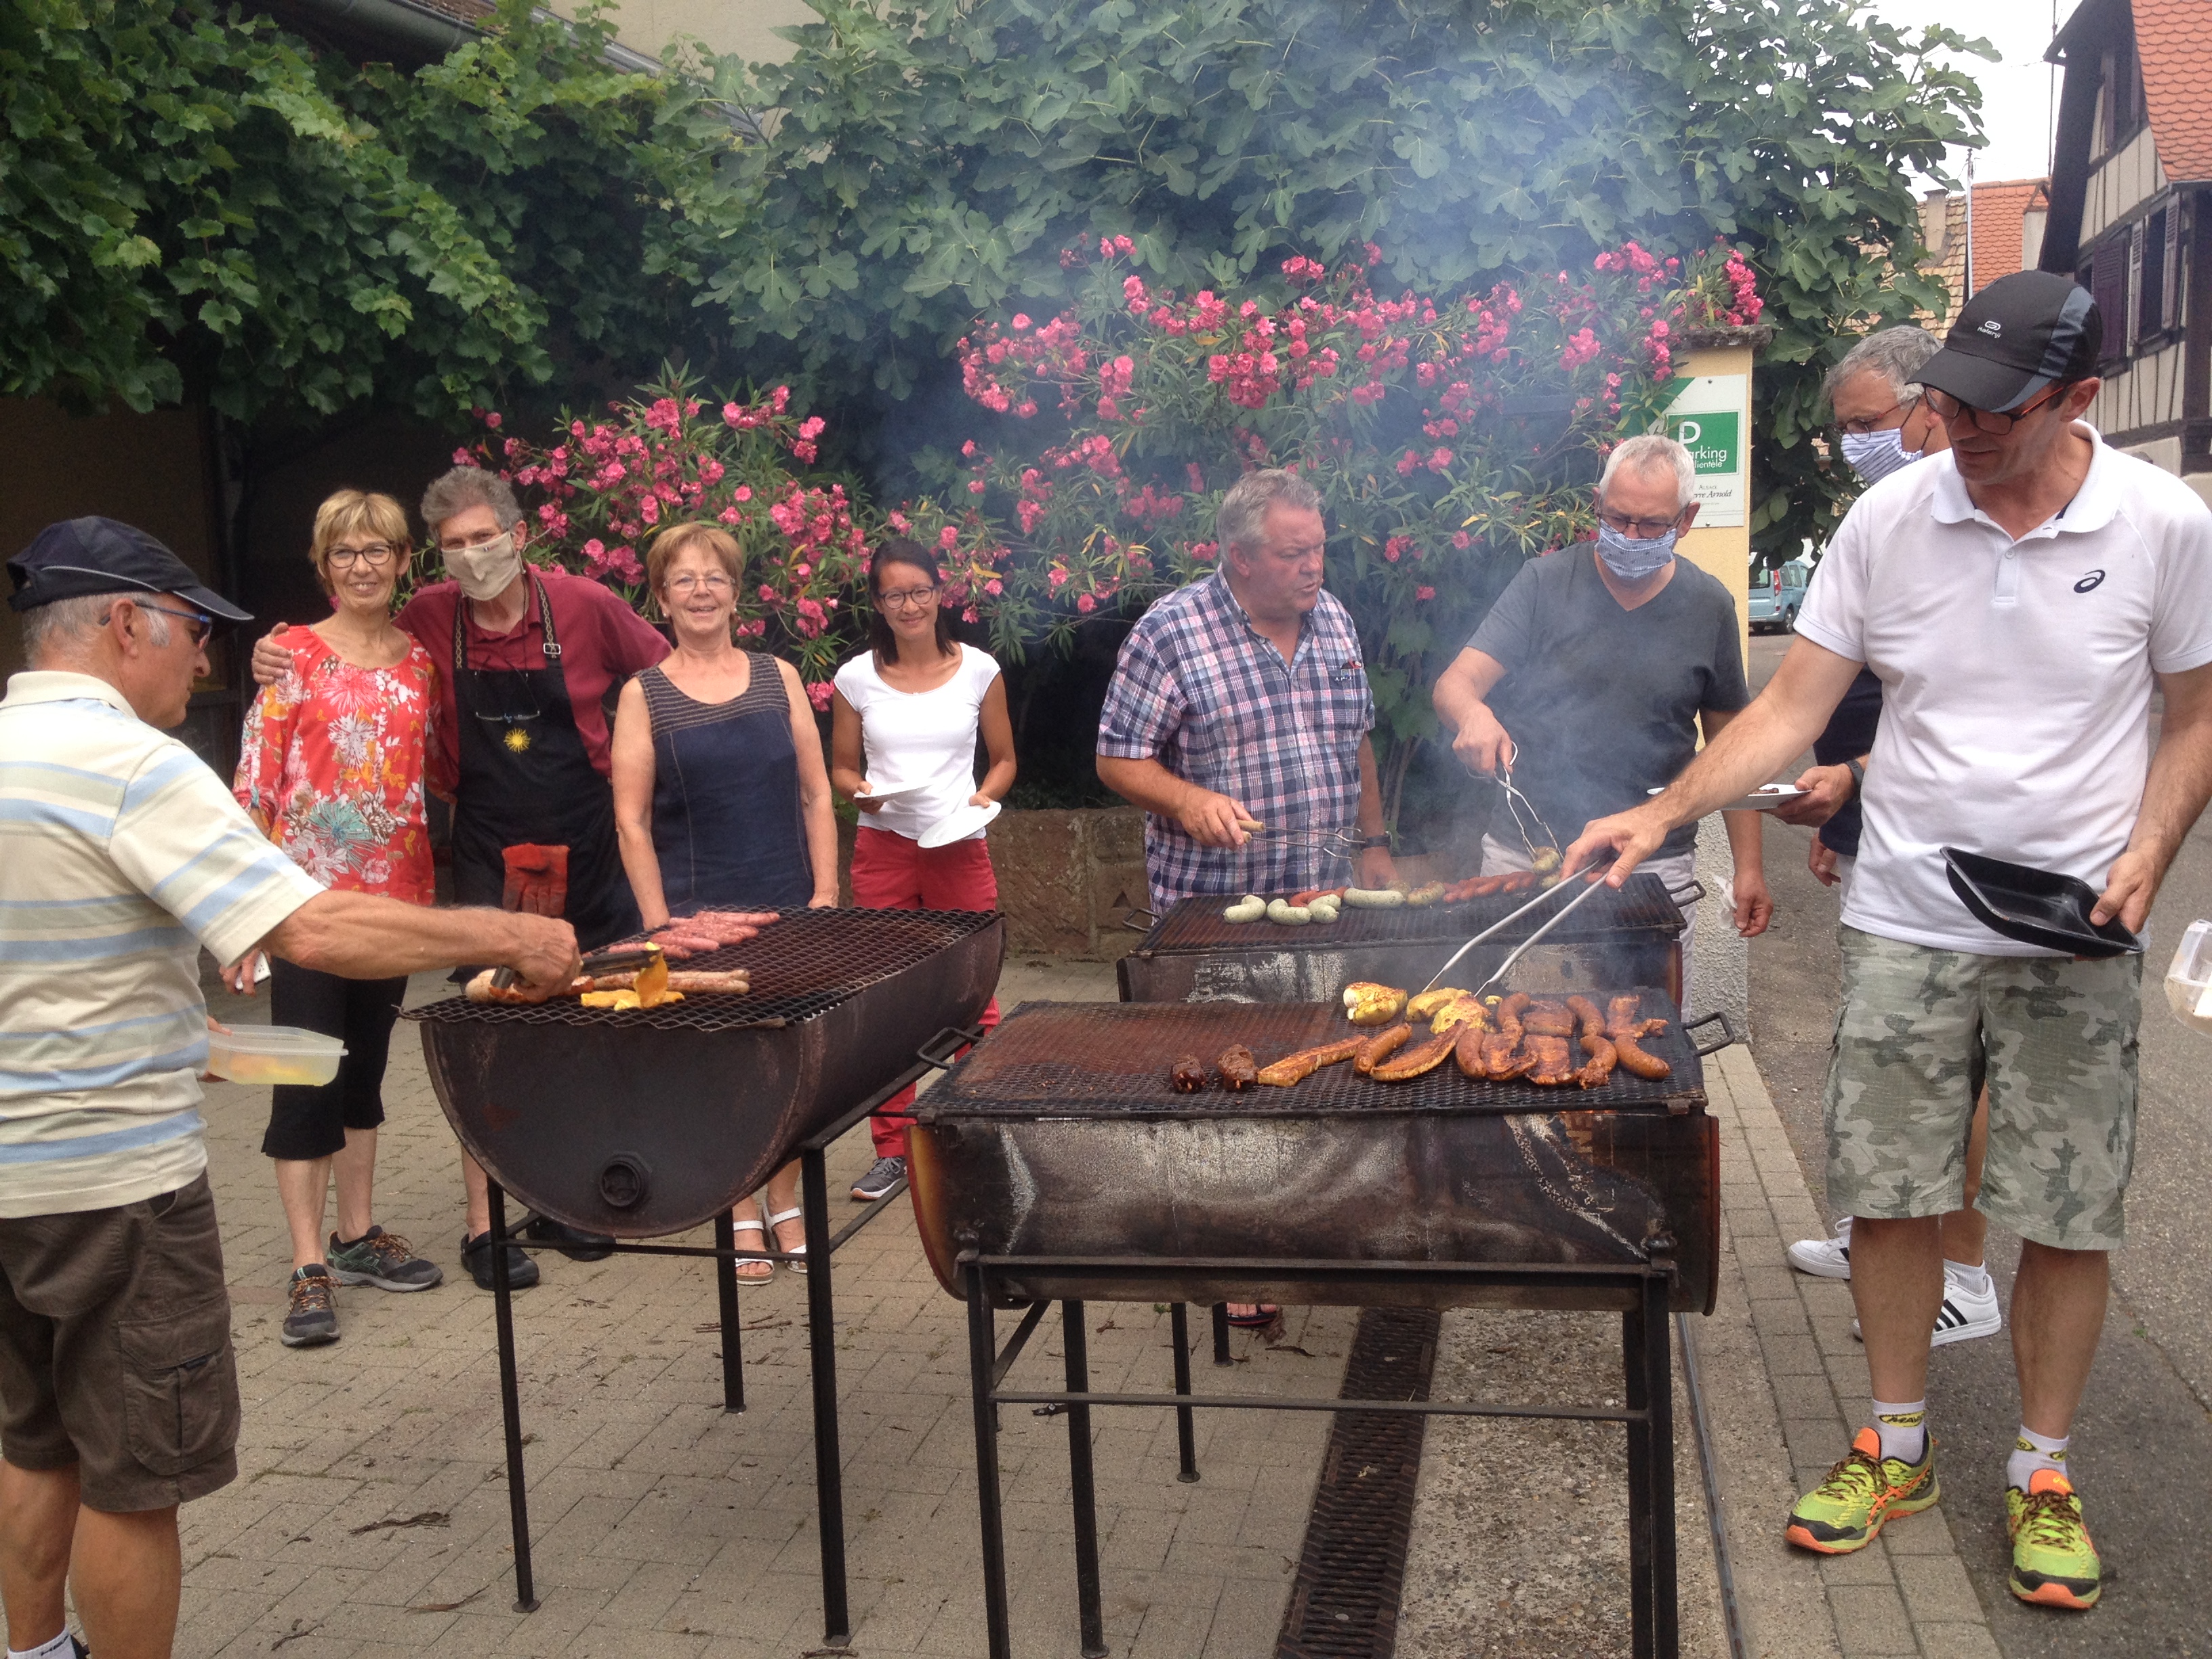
{"x":910,"y":708}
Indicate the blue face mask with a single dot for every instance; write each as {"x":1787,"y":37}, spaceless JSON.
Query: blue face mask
{"x":1875,"y":455}
{"x":1632,"y":559}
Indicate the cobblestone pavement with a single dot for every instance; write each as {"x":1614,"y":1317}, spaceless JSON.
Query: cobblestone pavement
{"x":371,"y":1518}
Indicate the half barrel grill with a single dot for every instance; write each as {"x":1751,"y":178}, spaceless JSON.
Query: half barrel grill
{"x":647,"y":1121}
{"x":1059,"y":1135}
{"x":1623,"y":937}
{"x":643,"y":1123}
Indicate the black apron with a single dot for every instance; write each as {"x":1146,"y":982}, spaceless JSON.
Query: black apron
{"x":526,"y":777}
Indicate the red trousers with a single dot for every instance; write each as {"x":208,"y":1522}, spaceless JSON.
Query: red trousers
{"x":892,"y":872}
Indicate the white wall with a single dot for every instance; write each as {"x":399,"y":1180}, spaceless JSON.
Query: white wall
{"x":742,"y":27}
{"x":2127,"y":177}
{"x":2145,"y":393}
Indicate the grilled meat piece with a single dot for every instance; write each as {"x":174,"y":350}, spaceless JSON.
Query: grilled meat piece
{"x":1380,"y":1048}
{"x":1238,"y":1070}
{"x":1427,"y":1004}
{"x":1461,"y":1011}
{"x":1507,"y":1017}
{"x":1466,"y":1049}
{"x":1550,"y":1064}
{"x":1411,"y":1062}
{"x":1368,"y":1004}
{"x":1188,"y":1075}
{"x":1296,"y":1069}
{"x":1547,"y":1019}
{"x":1589,"y":1013}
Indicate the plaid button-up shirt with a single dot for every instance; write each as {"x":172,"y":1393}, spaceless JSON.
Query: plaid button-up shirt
{"x":1202,"y":691}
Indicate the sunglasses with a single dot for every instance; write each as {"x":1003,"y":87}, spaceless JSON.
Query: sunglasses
{"x":1995,"y":422}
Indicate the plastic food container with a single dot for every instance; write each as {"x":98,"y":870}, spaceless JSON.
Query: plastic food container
{"x":2189,"y":979}
{"x":274,"y":1053}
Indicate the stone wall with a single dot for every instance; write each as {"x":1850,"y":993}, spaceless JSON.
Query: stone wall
{"x":1066,"y":879}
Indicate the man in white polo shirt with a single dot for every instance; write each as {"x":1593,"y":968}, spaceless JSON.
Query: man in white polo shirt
{"x":2019,"y":597}
{"x":121,"y":855}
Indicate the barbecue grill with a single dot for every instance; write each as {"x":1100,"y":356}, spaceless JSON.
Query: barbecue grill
{"x":1625,"y":936}
{"x":647,"y":1122}
{"x":1059,"y":1135}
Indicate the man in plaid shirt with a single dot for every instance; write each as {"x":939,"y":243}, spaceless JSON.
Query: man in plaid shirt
{"x":1243,"y":698}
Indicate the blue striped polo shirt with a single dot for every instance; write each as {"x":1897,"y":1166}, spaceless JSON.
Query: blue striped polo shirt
{"x":121,"y":855}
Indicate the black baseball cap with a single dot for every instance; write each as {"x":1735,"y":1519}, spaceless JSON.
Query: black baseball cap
{"x":81,"y":557}
{"x":2015,"y":339}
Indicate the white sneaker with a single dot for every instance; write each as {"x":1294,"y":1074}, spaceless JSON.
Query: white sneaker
{"x":1826,"y":1258}
{"x":1968,"y":1311}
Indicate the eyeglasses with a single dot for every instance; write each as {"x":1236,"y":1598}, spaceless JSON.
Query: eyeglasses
{"x":1859,"y":425}
{"x":1995,"y":422}
{"x":1642,"y":529}
{"x":714,"y":582}
{"x":375,"y":556}
{"x":203,"y":625}
{"x":910,"y":598}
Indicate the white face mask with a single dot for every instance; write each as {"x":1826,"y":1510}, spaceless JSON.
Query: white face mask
{"x":1875,"y":455}
{"x":488,"y":570}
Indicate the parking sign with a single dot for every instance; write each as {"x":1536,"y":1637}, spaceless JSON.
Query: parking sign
{"x":1707,"y":418}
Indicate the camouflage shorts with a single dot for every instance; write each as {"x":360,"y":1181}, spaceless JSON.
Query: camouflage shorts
{"x":2059,"y":1039}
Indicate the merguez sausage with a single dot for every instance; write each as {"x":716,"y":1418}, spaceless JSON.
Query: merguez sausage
{"x":1380,"y":1048}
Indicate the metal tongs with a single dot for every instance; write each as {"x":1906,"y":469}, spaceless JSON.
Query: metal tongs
{"x":1335,"y":843}
{"x":620,"y":959}
{"x":1589,"y":887}
{"x":1525,"y":815}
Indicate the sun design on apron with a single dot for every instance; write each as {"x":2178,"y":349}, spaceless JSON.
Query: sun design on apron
{"x":517,"y":740}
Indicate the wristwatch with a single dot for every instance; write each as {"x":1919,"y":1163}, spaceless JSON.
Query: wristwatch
{"x":1367,"y":841}
{"x":1858,"y":777}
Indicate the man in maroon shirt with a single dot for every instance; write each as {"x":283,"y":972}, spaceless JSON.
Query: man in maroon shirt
{"x":527,"y":659}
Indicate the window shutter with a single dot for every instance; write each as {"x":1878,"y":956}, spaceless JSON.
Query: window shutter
{"x":2169,"y":309}
{"x":2135,"y":285}
{"x":2108,"y":286}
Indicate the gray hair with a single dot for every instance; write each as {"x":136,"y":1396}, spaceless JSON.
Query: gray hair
{"x":1650,"y":451}
{"x":465,"y":487}
{"x":1898,"y":355}
{"x":57,"y":629}
{"x":1241,"y":521}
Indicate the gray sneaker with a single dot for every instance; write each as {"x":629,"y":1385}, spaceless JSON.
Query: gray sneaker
{"x":383,"y":1259}
{"x":313,"y":1319}
{"x":878,"y":1182}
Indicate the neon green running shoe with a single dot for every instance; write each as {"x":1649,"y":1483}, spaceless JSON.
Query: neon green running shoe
{"x":1847,"y":1510}
{"x":2053,"y":1562}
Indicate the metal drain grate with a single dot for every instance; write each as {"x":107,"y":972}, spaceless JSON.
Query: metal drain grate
{"x":1344,"y":1604}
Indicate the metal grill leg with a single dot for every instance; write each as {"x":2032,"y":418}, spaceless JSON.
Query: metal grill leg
{"x":982,"y":1357}
{"x":725,"y":1291}
{"x":1659,"y":1369}
{"x":1083,"y":1493}
{"x":822,"y":1344}
{"x":1636,"y":1376}
{"x":1186,"y":1434}
{"x":1221,"y":1334}
{"x":510,"y":1403}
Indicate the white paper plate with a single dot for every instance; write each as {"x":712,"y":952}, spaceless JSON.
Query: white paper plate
{"x":1764,"y":799}
{"x":889,"y":792}
{"x":959,"y":826}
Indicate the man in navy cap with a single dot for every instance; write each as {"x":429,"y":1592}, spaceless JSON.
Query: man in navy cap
{"x":2020,"y":597}
{"x":121,"y":856}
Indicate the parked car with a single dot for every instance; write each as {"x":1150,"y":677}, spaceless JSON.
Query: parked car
{"x":1777,"y":597}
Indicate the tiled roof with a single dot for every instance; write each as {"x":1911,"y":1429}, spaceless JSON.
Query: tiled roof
{"x":2174,"y":39}
{"x":1999,"y":207}
{"x":1998,"y":210}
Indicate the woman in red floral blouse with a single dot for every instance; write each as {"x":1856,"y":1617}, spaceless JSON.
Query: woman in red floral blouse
{"x":333,"y":767}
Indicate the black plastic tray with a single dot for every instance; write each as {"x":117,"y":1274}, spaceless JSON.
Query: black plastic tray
{"x":2036,"y":906}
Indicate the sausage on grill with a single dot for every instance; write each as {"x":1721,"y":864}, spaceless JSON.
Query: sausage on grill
{"x":1188,"y":1075}
{"x":1622,"y":1028}
{"x":1380,"y":1048}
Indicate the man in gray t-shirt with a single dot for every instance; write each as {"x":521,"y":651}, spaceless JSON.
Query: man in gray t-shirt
{"x":1593,"y":673}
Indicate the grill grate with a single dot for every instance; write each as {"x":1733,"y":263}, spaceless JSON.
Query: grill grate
{"x":1640,"y":905}
{"x":1344,"y":1603}
{"x":1066,"y":1060}
{"x":802,"y":966}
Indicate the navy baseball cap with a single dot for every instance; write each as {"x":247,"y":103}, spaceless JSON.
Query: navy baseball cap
{"x":2017,"y":338}
{"x":81,"y":557}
